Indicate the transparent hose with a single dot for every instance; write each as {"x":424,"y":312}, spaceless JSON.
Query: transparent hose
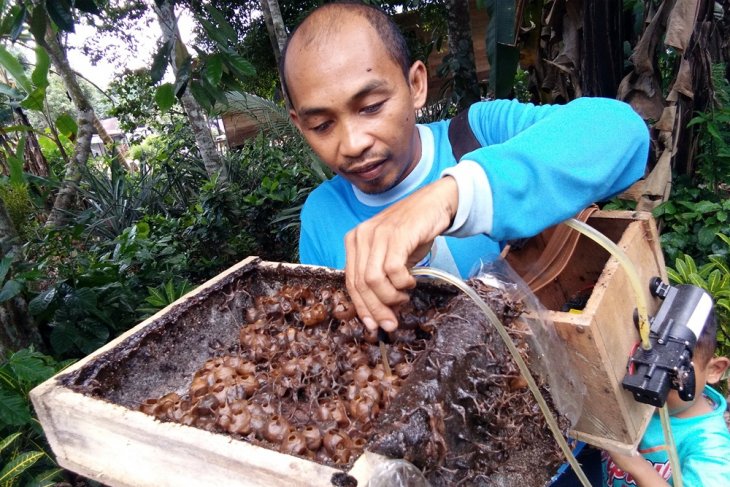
{"x":644,"y":328}
{"x":492,"y":318}
{"x":671,"y":447}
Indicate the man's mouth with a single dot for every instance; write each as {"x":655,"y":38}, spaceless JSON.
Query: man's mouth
{"x":366,"y":171}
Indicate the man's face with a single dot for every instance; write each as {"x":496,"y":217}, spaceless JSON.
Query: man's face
{"x":355,"y":107}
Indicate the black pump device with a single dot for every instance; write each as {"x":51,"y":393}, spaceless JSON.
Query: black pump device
{"x":674,"y":333}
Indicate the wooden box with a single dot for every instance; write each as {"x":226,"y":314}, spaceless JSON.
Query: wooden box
{"x":104,"y":437}
{"x":600,"y":337}
{"x":107,"y":439}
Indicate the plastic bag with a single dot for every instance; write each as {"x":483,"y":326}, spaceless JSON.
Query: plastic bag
{"x":549,"y":350}
{"x":397,"y":473}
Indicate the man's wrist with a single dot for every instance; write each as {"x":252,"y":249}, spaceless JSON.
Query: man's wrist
{"x":451,"y":206}
{"x":474,"y":214}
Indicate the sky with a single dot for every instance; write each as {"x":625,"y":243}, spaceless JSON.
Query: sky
{"x":103,"y":73}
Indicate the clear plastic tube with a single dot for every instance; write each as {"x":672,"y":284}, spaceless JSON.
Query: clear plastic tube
{"x":492,"y":318}
{"x":644,"y":328}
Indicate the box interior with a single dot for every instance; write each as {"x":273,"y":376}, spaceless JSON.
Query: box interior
{"x":581,"y":272}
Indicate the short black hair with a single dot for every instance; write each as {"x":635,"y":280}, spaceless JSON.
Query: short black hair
{"x":386,"y":28}
{"x":707,"y":341}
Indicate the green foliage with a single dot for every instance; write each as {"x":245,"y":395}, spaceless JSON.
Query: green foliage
{"x":693,"y":219}
{"x":55,"y":150}
{"x":22,"y":452}
{"x":212,"y":74}
{"x":164,"y":295}
{"x":134,"y":100}
{"x":58,"y":105}
{"x":714,"y":277}
{"x":91,"y":301}
{"x":14,"y":188}
{"x":18,"y":204}
{"x":114,"y":198}
{"x":274,"y":181}
{"x":713,"y":161}
{"x":696,"y":216}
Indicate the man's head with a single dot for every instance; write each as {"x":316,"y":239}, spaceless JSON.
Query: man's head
{"x":353,"y":93}
{"x":708,"y":368}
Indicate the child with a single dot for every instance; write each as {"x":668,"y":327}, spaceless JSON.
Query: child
{"x":698,"y":427}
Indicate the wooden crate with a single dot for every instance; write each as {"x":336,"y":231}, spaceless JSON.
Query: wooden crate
{"x":601,"y":337}
{"x":107,"y":439}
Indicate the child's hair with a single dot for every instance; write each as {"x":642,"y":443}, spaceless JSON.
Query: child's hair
{"x":707,"y":341}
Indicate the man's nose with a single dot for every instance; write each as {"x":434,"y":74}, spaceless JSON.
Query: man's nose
{"x":354,"y":139}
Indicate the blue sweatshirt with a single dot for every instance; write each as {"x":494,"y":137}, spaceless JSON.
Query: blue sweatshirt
{"x":538,"y":166}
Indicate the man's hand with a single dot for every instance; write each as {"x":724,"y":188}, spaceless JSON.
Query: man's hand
{"x":380,"y":251}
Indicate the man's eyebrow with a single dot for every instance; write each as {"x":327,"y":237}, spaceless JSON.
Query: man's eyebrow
{"x":369,"y":88}
{"x":361,"y":93}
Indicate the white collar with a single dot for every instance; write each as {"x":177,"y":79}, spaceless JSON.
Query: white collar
{"x":411,"y":182}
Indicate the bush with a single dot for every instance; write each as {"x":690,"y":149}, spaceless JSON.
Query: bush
{"x":714,"y":277}
{"x":23,"y":451}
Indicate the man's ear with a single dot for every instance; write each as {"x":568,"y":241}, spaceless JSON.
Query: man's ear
{"x":418,"y":82}
{"x":295,"y":119}
{"x":716,"y":367}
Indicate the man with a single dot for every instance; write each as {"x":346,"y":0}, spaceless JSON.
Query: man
{"x":399,"y":197}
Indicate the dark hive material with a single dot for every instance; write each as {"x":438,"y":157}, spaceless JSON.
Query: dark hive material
{"x":275,"y":356}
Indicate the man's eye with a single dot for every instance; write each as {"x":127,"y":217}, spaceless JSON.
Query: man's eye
{"x":322,"y":127}
{"x":373,"y":108}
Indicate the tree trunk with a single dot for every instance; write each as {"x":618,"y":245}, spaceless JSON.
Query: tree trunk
{"x":275,"y":26}
{"x":109,"y":142}
{"x":8,"y":233}
{"x":57,"y":52}
{"x":82,"y":150}
{"x":602,"y":50}
{"x":195,"y":113}
{"x":466,"y":84}
{"x":35,"y":161}
{"x":85,"y":115}
{"x":17,"y":328}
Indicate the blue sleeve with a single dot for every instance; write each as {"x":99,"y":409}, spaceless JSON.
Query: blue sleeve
{"x":546,"y":163}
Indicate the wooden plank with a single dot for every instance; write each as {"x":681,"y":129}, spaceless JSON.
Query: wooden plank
{"x":121,"y":447}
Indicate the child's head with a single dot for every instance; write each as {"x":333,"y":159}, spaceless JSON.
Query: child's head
{"x":708,"y":368}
